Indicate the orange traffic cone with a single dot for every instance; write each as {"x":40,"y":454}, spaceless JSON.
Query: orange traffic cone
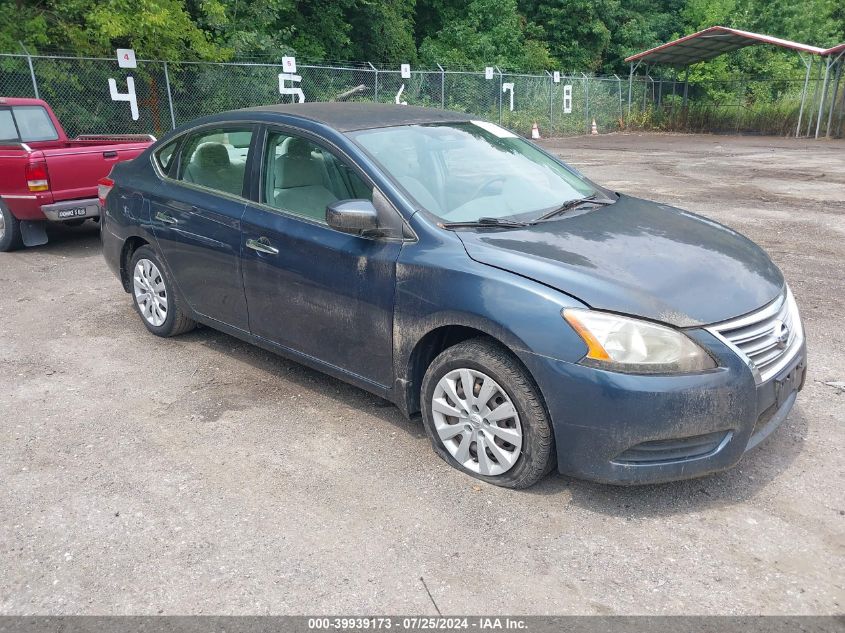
{"x":594,"y":129}
{"x":535,"y":131}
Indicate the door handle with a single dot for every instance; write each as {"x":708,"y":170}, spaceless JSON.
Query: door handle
{"x":165,"y":219}
{"x":110,"y":154}
{"x":262,"y":245}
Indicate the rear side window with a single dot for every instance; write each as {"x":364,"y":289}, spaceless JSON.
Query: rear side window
{"x":8,"y":131}
{"x":216,"y":159}
{"x":34,"y":124}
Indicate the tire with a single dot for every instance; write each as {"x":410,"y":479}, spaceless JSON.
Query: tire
{"x":510,"y":463}
{"x":154,"y":297}
{"x":10,"y":231}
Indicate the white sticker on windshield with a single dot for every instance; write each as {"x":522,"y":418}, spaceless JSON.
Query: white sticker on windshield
{"x":494,"y":129}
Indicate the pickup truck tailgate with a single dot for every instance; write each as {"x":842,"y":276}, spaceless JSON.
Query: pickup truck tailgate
{"x":74,"y":172}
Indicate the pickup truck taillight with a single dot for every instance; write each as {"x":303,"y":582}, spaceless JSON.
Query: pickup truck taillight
{"x":104,"y":187}
{"x":36,"y":175}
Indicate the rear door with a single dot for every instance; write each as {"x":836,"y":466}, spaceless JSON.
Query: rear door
{"x":196,"y":217}
{"x":323,"y":293}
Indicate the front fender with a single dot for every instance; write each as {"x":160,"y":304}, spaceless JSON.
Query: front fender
{"x":443,"y":287}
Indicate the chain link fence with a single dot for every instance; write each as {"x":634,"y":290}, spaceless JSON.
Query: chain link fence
{"x":171,"y":93}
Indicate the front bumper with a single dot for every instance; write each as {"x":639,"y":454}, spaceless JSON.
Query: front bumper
{"x":634,"y":429}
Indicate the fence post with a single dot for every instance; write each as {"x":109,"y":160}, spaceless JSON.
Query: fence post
{"x":551,"y":101}
{"x":442,"y":87}
{"x":619,"y":85}
{"x":375,"y":83}
{"x":169,"y":96}
{"x":500,"y":94}
{"x":31,"y":71}
{"x":587,"y":100}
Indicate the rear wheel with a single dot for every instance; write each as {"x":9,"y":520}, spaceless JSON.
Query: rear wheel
{"x":154,"y":297}
{"x":10,"y":230}
{"x":484,"y":415}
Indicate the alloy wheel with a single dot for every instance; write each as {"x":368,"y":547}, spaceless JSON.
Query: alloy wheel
{"x":477,"y":422}
{"x":2,"y":225}
{"x":150,"y":292}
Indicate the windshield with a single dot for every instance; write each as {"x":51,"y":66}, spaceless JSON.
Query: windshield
{"x":465,"y":171}
{"x":26,"y":124}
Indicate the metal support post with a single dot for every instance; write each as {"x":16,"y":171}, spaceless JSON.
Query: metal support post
{"x":808,"y":62}
{"x":375,"y":82}
{"x":31,"y":71}
{"x":442,"y":87}
{"x":169,"y":96}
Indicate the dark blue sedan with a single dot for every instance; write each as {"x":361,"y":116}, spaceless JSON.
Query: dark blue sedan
{"x":533,"y":318}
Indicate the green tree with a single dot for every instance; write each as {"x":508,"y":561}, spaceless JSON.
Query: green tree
{"x":154,"y":28}
{"x":485,"y":32}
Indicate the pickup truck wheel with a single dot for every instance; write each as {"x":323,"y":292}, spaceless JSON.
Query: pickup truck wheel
{"x":484,"y":415}
{"x":10,"y":231}
{"x":154,"y":298}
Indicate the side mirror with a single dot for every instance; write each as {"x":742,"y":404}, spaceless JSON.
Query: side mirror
{"x":358,"y":217}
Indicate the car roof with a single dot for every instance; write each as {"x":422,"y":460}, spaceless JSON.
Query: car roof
{"x":347,"y":117}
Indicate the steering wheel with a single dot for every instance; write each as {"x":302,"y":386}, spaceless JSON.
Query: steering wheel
{"x":487,"y":183}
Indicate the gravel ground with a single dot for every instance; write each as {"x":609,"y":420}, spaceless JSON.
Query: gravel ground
{"x":203,"y":475}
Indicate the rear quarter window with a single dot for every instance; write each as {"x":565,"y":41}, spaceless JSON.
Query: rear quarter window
{"x":164,"y":156}
{"x":34,"y":124}
{"x":8,"y":131}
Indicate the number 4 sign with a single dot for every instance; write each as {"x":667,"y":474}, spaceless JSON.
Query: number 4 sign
{"x":126,"y":58}
{"x":129,"y":95}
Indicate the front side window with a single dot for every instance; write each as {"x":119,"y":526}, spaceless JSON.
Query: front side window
{"x":464,"y":171}
{"x":27,"y":124}
{"x":303,"y":178}
{"x":216,"y":159}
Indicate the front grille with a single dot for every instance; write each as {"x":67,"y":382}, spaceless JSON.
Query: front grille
{"x":759,"y":337}
{"x":674,"y":450}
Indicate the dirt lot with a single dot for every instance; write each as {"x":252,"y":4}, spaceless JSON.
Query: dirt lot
{"x":202,"y":475}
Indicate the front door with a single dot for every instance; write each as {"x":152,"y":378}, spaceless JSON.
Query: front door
{"x":310,"y":288}
{"x":196,"y":218}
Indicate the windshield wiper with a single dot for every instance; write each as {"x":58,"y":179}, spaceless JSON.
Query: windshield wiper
{"x":496,"y":222}
{"x":571,"y":204}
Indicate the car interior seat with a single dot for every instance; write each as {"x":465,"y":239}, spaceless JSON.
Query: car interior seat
{"x":210,"y":167}
{"x":301,"y":180}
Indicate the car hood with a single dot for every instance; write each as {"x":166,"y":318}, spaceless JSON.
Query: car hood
{"x":640,"y":258}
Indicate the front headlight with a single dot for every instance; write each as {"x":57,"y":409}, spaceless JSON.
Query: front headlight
{"x":618,"y":343}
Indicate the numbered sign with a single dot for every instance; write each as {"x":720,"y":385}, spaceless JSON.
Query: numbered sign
{"x":399,"y":100}
{"x":406,"y":71}
{"x":292,"y":89}
{"x":289,"y":64}
{"x":567,"y":99}
{"x":488,"y":72}
{"x":128,"y":96}
{"x":126,"y":58}
{"x":556,"y":76}
{"x":508,"y":87}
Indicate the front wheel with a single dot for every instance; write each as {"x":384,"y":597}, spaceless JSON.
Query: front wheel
{"x":484,"y":415}
{"x":10,"y":231}
{"x":154,"y":296}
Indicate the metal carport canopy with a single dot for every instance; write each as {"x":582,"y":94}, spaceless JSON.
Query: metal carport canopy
{"x":711,"y":43}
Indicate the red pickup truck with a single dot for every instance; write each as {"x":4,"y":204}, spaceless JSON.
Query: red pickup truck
{"x":44,"y":176}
